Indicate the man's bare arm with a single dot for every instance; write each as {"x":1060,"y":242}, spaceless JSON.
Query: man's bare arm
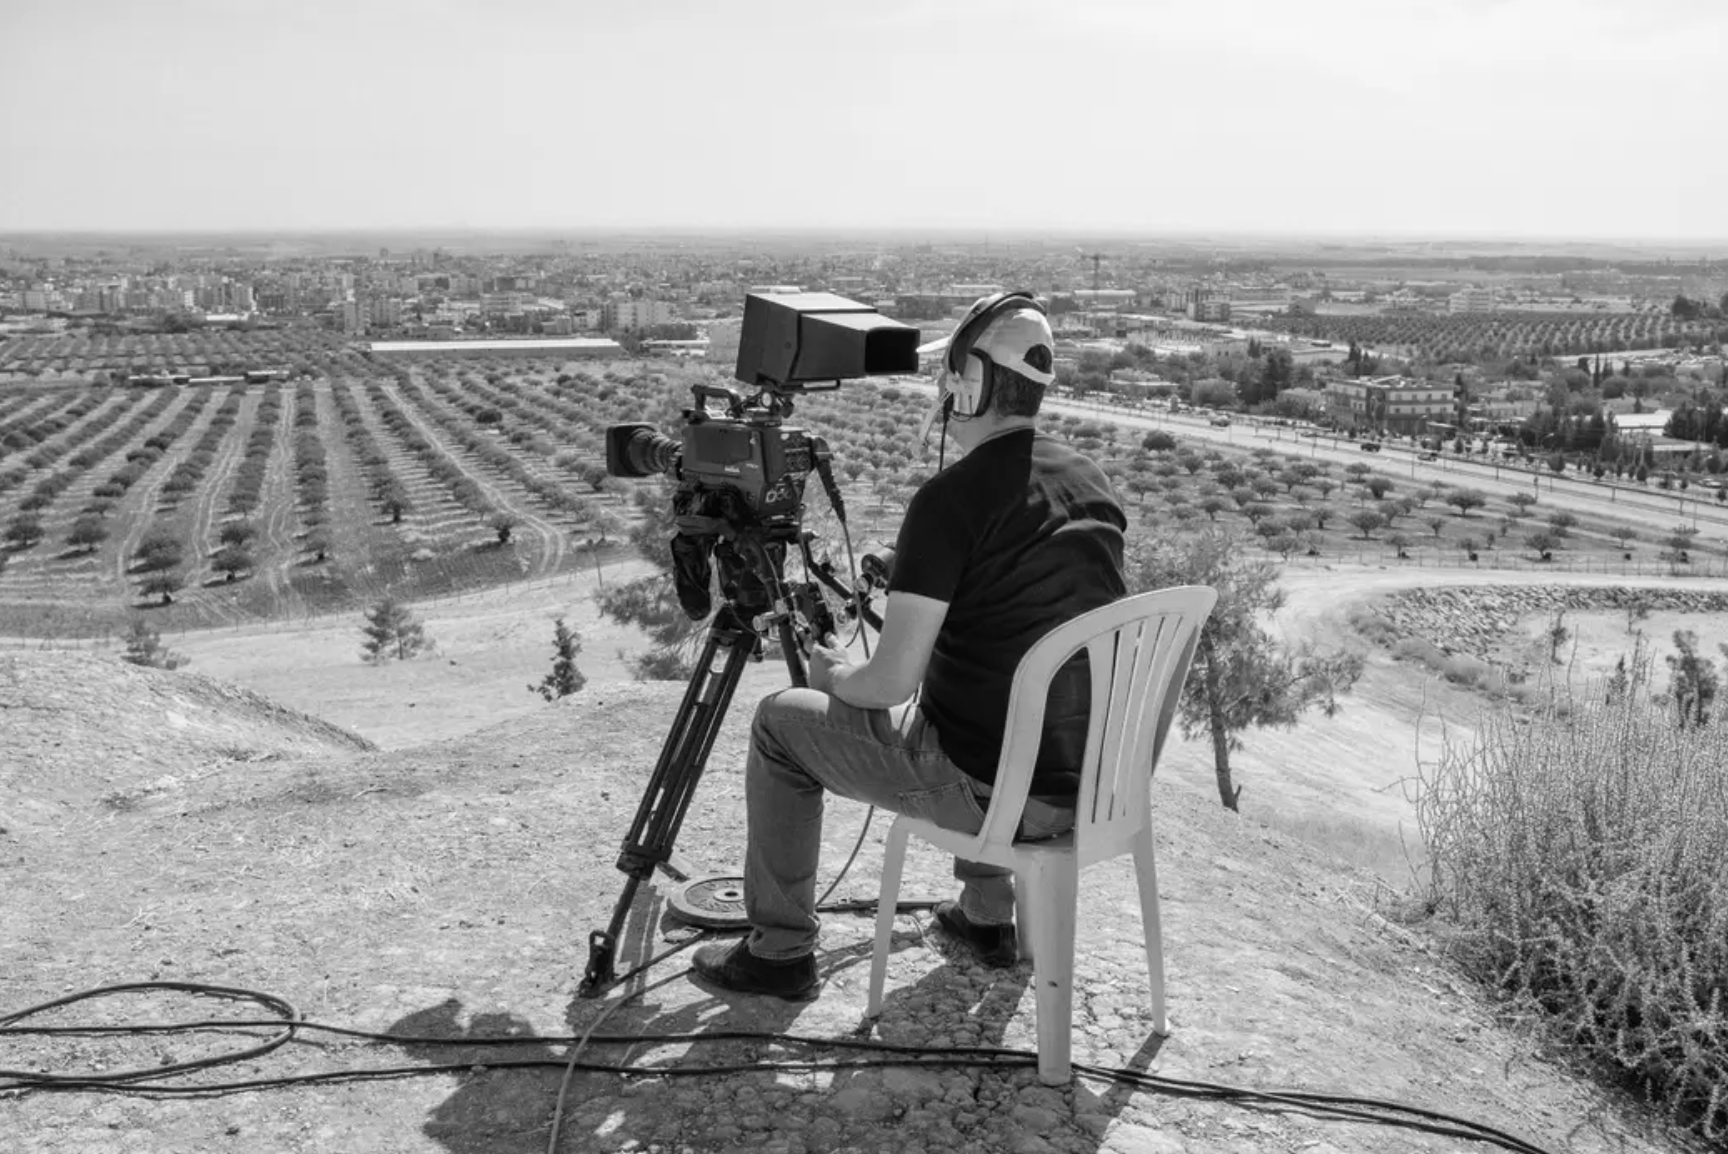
{"x":896,"y":670}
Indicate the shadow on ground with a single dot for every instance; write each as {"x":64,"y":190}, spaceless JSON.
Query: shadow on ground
{"x":764,"y":1096}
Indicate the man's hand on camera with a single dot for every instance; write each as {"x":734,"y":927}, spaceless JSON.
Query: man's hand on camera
{"x":825,"y":658}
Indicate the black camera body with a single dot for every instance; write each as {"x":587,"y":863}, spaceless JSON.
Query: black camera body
{"x":744,"y":450}
{"x":789,"y":343}
{"x":740,"y":468}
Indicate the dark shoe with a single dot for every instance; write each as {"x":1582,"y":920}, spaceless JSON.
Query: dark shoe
{"x":734,"y":967}
{"x":996,"y":946}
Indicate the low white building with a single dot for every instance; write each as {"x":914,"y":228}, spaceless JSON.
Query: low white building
{"x":546,"y":348}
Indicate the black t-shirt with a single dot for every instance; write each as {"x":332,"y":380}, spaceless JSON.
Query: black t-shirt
{"x":1018,"y":536}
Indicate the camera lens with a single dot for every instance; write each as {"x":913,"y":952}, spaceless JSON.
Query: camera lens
{"x":639,"y":451}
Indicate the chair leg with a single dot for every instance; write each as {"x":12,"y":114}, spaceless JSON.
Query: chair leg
{"x":1056,"y":892}
{"x":1023,"y":913}
{"x":887,"y":900}
{"x":1146,"y":874}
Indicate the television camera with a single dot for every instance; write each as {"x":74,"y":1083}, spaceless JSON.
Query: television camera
{"x":738,"y":508}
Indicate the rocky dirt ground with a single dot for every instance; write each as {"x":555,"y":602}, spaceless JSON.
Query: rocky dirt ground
{"x":164,"y":827}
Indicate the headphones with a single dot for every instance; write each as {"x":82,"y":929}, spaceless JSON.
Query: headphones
{"x":971,"y":377}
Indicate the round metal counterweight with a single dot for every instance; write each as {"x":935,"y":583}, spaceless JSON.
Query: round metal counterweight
{"x":711,"y":903}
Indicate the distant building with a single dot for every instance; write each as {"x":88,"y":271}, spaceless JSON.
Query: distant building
{"x":1138,"y":385}
{"x":696,"y":349}
{"x":1204,"y":304}
{"x":1092,"y":299}
{"x":1471,"y":300}
{"x":548,"y":349}
{"x":1259,"y":300}
{"x":1652,"y":423}
{"x":1390,"y":404}
{"x":625,"y":314}
{"x":501,"y":303}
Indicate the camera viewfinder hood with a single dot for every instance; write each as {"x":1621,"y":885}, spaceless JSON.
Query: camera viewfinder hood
{"x":793,"y":339}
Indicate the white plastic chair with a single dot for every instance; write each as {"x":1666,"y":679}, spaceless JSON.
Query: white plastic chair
{"x":1140,"y":650}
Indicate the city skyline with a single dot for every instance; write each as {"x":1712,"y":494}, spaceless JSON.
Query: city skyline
{"x":1514,"y":119}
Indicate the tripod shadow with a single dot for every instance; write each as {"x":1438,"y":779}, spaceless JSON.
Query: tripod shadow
{"x":507,"y":1110}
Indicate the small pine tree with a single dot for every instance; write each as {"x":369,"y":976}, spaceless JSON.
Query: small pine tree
{"x":1557,"y":635}
{"x":1693,"y":683}
{"x":565,"y":679}
{"x":144,"y":647}
{"x":391,"y":631}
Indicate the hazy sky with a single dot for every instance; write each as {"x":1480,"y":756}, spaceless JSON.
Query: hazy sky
{"x":1474,"y":117}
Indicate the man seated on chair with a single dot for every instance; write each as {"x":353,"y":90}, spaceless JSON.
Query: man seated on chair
{"x":1020,"y":535}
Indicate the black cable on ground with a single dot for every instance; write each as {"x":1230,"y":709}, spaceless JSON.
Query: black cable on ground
{"x":148,"y":1083}
{"x":290,"y":1019}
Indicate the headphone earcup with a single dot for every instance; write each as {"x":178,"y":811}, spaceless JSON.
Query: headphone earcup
{"x":970,"y":389}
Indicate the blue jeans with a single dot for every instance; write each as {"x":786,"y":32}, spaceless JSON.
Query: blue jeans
{"x":805,"y":744}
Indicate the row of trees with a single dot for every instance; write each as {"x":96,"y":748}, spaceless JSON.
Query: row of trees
{"x":89,"y":531}
{"x":1685,"y":308}
{"x":31,"y":427}
{"x":385,"y":487}
{"x":311,"y":474}
{"x":1483,"y":337}
{"x":189,"y":473}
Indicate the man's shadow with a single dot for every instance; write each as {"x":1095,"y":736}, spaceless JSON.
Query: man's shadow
{"x":952,"y":1002}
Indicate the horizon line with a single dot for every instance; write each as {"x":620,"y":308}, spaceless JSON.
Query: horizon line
{"x":969,"y":232}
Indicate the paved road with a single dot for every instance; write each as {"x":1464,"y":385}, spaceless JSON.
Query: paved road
{"x":1648,"y":509}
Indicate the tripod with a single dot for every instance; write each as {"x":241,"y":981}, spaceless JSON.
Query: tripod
{"x":751,"y":565}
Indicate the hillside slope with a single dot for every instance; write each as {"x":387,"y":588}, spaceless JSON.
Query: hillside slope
{"x":83,"y":734}
{"x":449,"y":889}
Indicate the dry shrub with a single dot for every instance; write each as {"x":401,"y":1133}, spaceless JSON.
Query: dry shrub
{"x":1418,"y":649}
{"x":1582,"y":856}
{"x":1372,"y":626}
{"x":1458,"y":668}
{"x":1471,"y":672}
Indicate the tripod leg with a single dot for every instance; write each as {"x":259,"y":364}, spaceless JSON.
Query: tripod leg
{"x":673,"y":784}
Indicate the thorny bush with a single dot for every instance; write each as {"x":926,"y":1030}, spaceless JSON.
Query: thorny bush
{"x":1582,"y":857}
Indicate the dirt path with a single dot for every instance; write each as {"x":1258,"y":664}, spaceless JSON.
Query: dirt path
{"x":207,"y":505}
{"x":146,"y":493}
{"x":276,"y":526}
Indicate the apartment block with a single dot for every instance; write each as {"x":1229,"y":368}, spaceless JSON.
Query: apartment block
{"x":1390,"y":404}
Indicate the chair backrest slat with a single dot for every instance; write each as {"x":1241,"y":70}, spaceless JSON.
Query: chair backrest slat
{"x":1140,"y":649}
{"x":1126,"y":780}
